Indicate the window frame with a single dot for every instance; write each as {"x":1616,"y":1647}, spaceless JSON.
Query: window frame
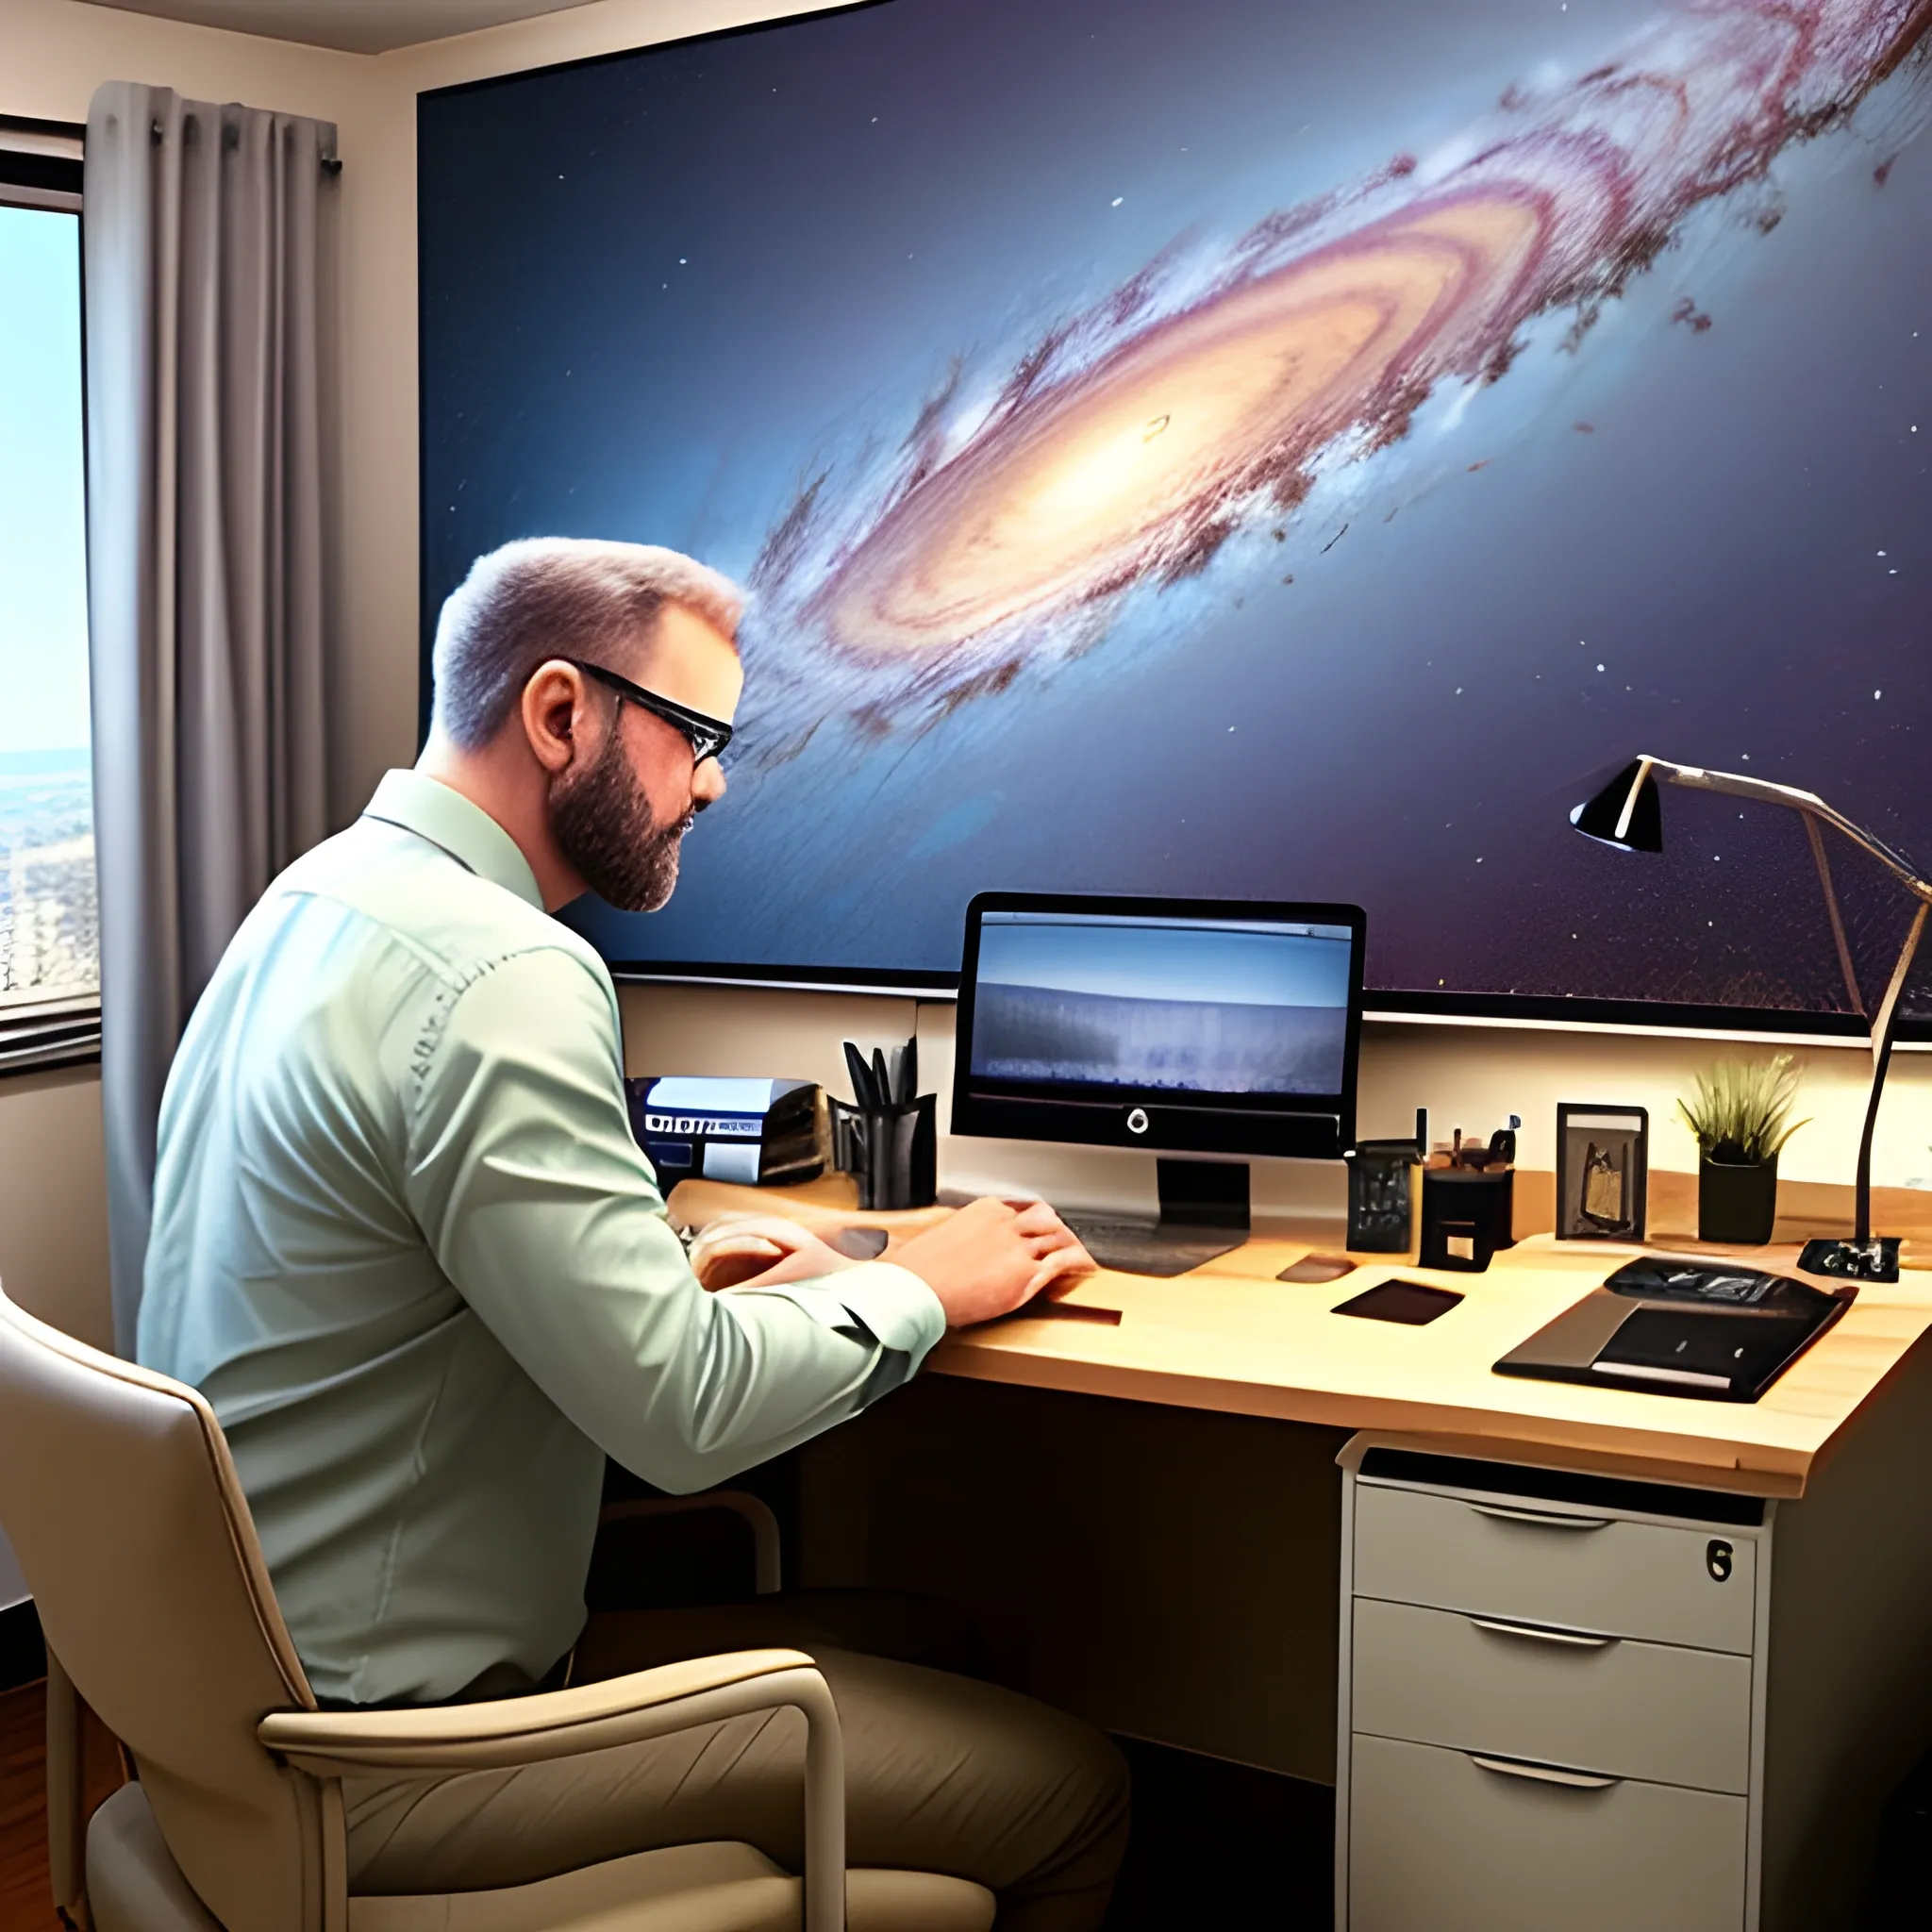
{"x":42,"y":166}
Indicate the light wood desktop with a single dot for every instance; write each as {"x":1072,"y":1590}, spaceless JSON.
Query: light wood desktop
{"x":1230,"y":1338}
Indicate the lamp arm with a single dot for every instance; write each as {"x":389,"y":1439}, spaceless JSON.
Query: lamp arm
{"x":1821,"y":861}
{"x":1883,"y":1027}
{"x":1735,"y":785}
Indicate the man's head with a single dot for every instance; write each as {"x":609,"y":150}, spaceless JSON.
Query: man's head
{"x":604,"y":784}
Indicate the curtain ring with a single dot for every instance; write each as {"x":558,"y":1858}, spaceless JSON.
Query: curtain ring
{"x":154,"y":132}
{"x":331,"y":164}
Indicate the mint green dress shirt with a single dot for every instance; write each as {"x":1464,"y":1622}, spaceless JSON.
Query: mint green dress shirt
{"x":405,"y":1244}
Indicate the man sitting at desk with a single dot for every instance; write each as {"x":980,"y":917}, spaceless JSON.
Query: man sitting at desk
{"x":405,"y":1242}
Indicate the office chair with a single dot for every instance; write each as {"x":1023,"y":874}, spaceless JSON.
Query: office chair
{"x":121,"y":1501}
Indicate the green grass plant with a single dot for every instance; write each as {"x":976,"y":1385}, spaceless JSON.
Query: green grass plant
{"x":1740,"y":1110}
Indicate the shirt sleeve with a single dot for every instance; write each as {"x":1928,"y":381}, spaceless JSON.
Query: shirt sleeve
{"x":541,"y":1208}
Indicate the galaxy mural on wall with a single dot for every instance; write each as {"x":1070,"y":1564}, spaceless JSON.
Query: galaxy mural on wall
{"x":1257,"y":449}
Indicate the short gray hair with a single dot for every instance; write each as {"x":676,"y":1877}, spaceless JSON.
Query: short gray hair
{"x":544,"y":597}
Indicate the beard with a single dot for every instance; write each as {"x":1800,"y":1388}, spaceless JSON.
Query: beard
{"x":603,"y":824}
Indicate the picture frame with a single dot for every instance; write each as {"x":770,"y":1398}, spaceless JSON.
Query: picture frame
{"x":1603,"y":1172}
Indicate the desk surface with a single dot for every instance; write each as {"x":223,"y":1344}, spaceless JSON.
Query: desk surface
{"x":1229,"y":1337}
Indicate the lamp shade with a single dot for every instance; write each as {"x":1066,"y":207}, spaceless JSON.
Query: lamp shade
{"x":1626,"y":813}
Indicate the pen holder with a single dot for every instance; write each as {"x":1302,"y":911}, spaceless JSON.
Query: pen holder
{"x":1468,"y":1215}
{"x":892,"y":1151}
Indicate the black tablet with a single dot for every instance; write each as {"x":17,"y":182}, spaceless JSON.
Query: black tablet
{"x":1670,"y":1324}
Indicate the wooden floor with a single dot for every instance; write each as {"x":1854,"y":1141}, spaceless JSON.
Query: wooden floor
{"x":27,"y":1903}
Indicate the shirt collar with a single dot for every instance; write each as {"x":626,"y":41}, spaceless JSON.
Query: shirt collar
{"x":434,"y":811}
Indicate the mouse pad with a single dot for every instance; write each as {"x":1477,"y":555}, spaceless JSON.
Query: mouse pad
{"x":1411,"y":1302}
{"x":1316,"y":1268}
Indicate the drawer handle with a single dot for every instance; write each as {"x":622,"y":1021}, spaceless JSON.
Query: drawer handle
{"x":1543,"y":1774}
{"x":1541,"y":1519}
{"x":1535,"y":1633}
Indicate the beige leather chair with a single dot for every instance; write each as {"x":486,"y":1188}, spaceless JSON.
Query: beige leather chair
{"x":119,"y":1497}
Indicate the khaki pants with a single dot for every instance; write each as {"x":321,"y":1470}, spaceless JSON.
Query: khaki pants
{"x":943,"y":1774}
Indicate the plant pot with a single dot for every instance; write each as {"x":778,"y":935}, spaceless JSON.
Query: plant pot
{"x":1736,"y":1203}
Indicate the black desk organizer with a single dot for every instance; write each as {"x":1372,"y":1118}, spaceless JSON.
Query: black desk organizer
{"x":1670,"y":1325}
{"x":891,"y":1151}
{"x":1468,"y":1216}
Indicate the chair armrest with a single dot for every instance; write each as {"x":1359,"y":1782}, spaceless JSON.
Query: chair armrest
{"x":512,"y":1731}
{"x":766,"y":1559}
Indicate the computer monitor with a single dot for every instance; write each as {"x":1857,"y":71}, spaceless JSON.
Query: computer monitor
{"x":1182,"y":1025}
{"x":1187,"y":1026}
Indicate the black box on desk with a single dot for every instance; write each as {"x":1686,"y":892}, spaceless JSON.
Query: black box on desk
{"x":1468,"y":1215}
{"x":1382,"y":1189}
{"x":759,"y":1133}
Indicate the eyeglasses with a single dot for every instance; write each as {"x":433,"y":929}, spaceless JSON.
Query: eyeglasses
{"x":707,"y":737}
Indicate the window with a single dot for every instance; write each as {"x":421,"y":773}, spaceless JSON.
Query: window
{"x":49,"y":925}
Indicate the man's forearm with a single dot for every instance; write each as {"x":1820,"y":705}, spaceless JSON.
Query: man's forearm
{"x":785,"y":1362}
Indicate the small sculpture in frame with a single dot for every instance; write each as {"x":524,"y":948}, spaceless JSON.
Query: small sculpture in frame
{"x":1603,"y":1172}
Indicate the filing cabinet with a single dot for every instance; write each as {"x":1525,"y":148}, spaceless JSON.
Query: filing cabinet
{"x":1575,"y":1701}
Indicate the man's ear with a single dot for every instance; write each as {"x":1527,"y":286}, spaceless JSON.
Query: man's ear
{"x":556,"y":715}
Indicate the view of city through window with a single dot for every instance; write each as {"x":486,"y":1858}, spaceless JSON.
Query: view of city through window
{"x":49,"y":925}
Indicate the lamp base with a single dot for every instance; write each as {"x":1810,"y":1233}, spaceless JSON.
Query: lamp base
{"x":1850,"y":1261}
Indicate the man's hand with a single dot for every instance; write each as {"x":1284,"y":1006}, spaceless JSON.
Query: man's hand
{"x":989,"y":1257}
{"x":740,"y":1249}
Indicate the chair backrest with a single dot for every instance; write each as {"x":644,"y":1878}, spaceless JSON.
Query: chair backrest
{"x":119,"y":1497}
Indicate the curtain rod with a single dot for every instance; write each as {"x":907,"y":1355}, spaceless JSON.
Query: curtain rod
{"x":331,"y":164}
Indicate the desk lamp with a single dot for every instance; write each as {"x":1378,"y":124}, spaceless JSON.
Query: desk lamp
{"x":1628,"y":814}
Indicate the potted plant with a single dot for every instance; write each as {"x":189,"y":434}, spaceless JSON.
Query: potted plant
{"x":1741,"y":1112}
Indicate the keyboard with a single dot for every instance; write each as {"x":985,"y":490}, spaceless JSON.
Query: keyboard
{"x":1150,"y":1247}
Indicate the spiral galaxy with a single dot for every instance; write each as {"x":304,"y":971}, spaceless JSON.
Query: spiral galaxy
{"x":1206,"y":395}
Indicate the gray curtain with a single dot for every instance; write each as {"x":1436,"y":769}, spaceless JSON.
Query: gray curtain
{"x":208,"y":251}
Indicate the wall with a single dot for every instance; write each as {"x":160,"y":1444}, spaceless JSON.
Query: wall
{"x":13,"y":1584}
{"x":53,"y":52}
{"x":1471,"y":1077}
{"x":1465,"y":1076}
{"x":52,"y":1217}
{"x":52,"y":1207}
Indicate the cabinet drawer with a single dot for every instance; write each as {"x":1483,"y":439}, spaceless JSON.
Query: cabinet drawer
{"x":1640,"y":1711}
{"x":1586,"y":1571}
{"x":1437,"y":1844}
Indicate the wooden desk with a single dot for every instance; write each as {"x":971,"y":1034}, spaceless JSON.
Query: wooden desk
{"x":1230,"y":1338}
{"x":1191,"y":1571}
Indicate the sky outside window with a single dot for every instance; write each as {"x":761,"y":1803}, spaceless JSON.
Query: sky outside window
{"x":49,"y":944}
{"x":42,"y":519}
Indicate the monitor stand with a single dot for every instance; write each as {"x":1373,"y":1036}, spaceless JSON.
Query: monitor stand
{"x":1203,"y":1212}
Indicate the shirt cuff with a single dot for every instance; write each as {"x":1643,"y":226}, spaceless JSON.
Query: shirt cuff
{"x":894,"y":1305}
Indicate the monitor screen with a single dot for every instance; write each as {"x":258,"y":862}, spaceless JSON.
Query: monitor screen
{"x":1204,"y":1025}
{"x":1273,"y":449}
